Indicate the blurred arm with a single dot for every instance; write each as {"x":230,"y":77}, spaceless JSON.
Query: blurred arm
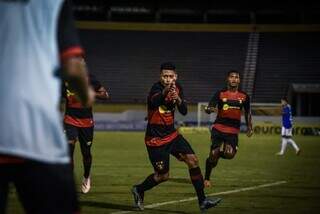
{"x":100,"y":91}
{"x":212,"y":105}
{"x":181,"y":103}
{"x":71,"y":55}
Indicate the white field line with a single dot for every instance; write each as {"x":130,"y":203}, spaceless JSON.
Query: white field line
{"x":212,"y":194}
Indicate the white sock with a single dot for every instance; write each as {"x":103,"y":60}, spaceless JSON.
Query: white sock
{"x":293,"y":144}
{"x":283,"y":145}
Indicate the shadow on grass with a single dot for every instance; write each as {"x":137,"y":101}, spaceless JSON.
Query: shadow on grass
{"x":121,"y":207}
{"x":180,"y":180}
{"x":107,"y":205}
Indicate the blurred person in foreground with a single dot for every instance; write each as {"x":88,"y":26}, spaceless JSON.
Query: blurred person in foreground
{"x":39,"y":46}
{"x":79,"y":125}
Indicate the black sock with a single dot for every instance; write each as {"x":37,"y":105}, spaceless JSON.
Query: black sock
{"x":197,"y":181}
{"x":71,"y":151}
{"x":87,"y":165}
{"x":209,"y":166}
{"x":147,"y":184}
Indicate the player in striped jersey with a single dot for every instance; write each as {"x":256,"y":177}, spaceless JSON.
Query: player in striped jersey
{"x":162,"y":139}
{"x":228,"y":103}
{"x":79,"y":126}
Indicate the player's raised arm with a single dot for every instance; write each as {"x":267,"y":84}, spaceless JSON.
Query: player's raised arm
{"x":180,"y":101}
{"x":157,"y":96}
{"x":100,"y":91}
{"x":247,"y":115}
{"x":212,"y":105}
{"x":73,"y":68}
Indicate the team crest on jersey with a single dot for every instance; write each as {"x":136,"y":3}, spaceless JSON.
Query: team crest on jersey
{"x":163,"y":109}
{"x":225,"y":107}
{"x":69,"y":93}
{"x":224,"y":99}
{"x":240,"y":100}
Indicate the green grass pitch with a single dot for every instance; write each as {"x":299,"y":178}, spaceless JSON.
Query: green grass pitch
{"x":120,"y":160}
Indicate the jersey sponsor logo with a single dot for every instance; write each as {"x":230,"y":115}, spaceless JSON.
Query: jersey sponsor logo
{"x":227,"y":107}
{"x":164,"y":110}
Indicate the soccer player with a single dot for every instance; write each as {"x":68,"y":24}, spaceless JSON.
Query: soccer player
{"x":79,"y":126}
{"x":33,"y":150}
{"x":286,"y":131}
{"x":162,"y":139}
{"x":228,"y":103}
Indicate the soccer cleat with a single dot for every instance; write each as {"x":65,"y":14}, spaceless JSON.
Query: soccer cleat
{"x":279,"y":154}
{"x":298,"y":152}
{"x":86,"y":185}
{"x":209,"y":203}
{"x":207,"y":184}
{"x":138,"y":198}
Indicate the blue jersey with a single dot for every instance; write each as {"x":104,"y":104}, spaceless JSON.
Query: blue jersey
{"x":287,"y":117}
{"x":30,"y":123}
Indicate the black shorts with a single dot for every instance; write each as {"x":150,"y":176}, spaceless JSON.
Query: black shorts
{"x":42,"y":188}
{"x":218,"y":138}
{"x":84,"y":135}
{"x":160,"y":156}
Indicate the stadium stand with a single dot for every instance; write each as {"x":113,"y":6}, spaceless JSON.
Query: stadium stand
{"x":201,"y":11}
{"x":274,"y":44}
{"x":202,"y":60}
{"x":286,"y":58}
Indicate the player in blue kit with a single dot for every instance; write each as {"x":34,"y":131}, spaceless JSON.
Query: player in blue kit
{"x":286,"y":131}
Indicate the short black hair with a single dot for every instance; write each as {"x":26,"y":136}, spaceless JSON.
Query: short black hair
{"x":167,"y":66}
{"x":285,"y":99}
{"x":233,"y":71}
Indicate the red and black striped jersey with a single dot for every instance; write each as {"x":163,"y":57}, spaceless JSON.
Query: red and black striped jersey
{"x":160,"y":128}
{"x":75,"y":113}
{"x":229,"y":105}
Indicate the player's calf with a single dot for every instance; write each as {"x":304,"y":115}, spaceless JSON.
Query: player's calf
{"x":211,"y":163}
{"x":191,"y":160}
{"x":161,"y":177}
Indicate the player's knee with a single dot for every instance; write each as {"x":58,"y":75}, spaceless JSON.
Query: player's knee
{"x":229,"y":152}
{"x":162,"y":177}
{"x":192,"y":160}
{"x":229,"y":155}
{"x":214,"y":155}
